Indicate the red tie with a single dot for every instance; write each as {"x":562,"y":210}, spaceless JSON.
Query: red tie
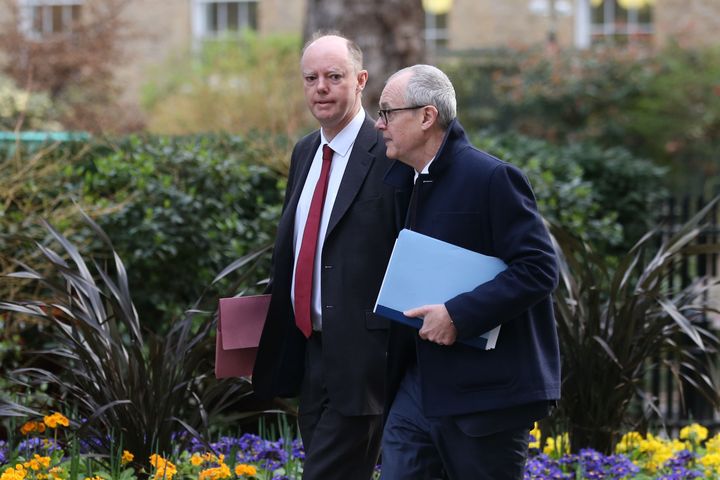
{"x":306,"y":259}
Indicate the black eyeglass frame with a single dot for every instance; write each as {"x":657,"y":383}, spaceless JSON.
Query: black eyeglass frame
{"x":383,"y":113}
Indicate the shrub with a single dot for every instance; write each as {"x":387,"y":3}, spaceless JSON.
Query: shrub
{"x":118,"y":379}
{"x":604,"y":196}
{"x":183,"y":208}
{"x":240,"y":85}
{"x":617,"y":324}
{"x":663,"y":105}
{"x":178,"y":209}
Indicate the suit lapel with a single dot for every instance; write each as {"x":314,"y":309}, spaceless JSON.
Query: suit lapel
{"x":305,"y":157}
{"x":357,"y":169}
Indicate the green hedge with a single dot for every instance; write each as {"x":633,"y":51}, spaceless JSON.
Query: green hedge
{"x":180,"y":209}
{"x":605,"y":196}
{"x":661,"y":105}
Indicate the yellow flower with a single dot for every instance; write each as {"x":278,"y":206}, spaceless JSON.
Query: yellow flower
{"x":32,"y":426}
{"x":56,"y":419}
{"x":696,"y":433}
{"x":163,"y":468}
{"x":17,"y":473}
{"x":216,"y":473}
{"x":711,"y":462}
{"x":558,"y":446}
{"x":57,"y":473}
{"x":629,"y":442}
{"x":535,"y":432}
{"x":713,"y":445}
{"x":244,"y":469}
{"x":96,"y":477}
{"x":27,"y":427}
{"x":196,"y":460}
{"x":37,"y":462}
{"x":127,"y":457}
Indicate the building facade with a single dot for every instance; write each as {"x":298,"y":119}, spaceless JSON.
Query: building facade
{"x":162,"y":28}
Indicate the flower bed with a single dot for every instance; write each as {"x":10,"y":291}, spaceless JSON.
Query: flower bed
{"x":41,"y":456}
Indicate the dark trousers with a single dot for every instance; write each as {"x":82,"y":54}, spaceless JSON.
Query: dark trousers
{"x":336,"y":446}
{"x":416,"y":447}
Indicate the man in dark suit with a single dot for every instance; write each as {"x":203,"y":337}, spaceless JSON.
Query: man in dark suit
{"x":321,"y":339}
{"x":457,"y":411}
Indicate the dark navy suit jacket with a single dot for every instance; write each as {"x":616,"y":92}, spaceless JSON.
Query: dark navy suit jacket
{"x":476,"y":201}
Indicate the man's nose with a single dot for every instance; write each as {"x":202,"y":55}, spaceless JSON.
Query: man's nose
{"x":322,"y":85}
{"x":379,"y":124}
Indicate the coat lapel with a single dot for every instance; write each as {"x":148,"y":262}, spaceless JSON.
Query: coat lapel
{"x":357,"y":169}
{"x":306,"y":158}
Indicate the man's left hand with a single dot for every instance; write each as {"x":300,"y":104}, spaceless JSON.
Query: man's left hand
{"x":437,"y":325}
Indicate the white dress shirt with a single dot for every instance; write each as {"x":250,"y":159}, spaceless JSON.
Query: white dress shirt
{"x":342,"y":145}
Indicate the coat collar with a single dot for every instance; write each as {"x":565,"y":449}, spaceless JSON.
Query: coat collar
{"x":454,"y":141}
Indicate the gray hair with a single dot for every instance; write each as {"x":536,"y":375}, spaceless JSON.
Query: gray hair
{"x":354,"y":52}
{"x":428,"y":85}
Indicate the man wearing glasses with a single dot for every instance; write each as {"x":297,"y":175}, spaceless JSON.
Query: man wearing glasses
{"x":457,"y":411}
{"x":339,"y":223}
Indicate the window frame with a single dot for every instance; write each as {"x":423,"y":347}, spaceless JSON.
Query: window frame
{"x":28,"y":9}
{"x":200,"y":18}
{"x":588,"y":32}
{"x":433,"y":35}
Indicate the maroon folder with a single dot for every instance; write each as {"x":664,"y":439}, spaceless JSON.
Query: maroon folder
{"x":240,"y":324}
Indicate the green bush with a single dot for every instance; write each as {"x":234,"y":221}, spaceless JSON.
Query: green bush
{"x":177,"y":209}
{"x":181,"y":209}
{"x":25,"y":109}
{"x":664,"y":105}
{"x":239,"y":85}
{"x":122,"y":382}
{"x":605,"y":196}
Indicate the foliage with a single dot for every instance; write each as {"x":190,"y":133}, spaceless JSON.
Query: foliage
{"x":239,"y":85}
{"x":604,"y":196}
{"x":118,"y":379}
{"x":186,"y":208}
{"x":161,"y":200}
{"x":692,"y":455}
{"x":677,"y":117}
{"x":75,"y":68}
{"x":660,"y":105}
{"x":21,"y":108}
{"x":614,"y":326}
{"x":32,"y":186}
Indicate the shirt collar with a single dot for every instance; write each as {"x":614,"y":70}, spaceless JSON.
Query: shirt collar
{"x":425,"y":170}
{"x":343,"y":141}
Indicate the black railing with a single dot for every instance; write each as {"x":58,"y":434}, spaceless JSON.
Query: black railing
{"x":681,"y":403}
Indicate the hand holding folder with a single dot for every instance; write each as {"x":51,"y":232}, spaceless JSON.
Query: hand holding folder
{"x":424,"y":270}
{"x":240,"y":324}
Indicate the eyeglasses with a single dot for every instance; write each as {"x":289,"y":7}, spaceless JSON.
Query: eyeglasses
{"x":383,"y":113}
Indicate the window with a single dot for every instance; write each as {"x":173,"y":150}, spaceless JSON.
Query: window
{"x":213,"y":19}
{"x":47,"y":17}
{"x":620,"y":21}
{"x":436,"y":31}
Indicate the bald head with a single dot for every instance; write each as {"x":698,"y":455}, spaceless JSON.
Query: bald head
{"x":333,"y":82}
{"x":353,"y":51}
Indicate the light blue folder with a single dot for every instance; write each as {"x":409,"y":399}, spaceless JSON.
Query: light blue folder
{"x":424,"y":270}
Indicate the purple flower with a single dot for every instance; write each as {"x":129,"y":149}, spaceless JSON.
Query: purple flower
{"x":3,"y":452}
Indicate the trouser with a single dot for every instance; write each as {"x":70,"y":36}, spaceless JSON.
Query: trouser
{"x":336,"y":446}
{"x":417,"y":447}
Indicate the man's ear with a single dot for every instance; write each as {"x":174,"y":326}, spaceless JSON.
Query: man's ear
{"x":430,"y":117}
{"x":362,"y":77}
